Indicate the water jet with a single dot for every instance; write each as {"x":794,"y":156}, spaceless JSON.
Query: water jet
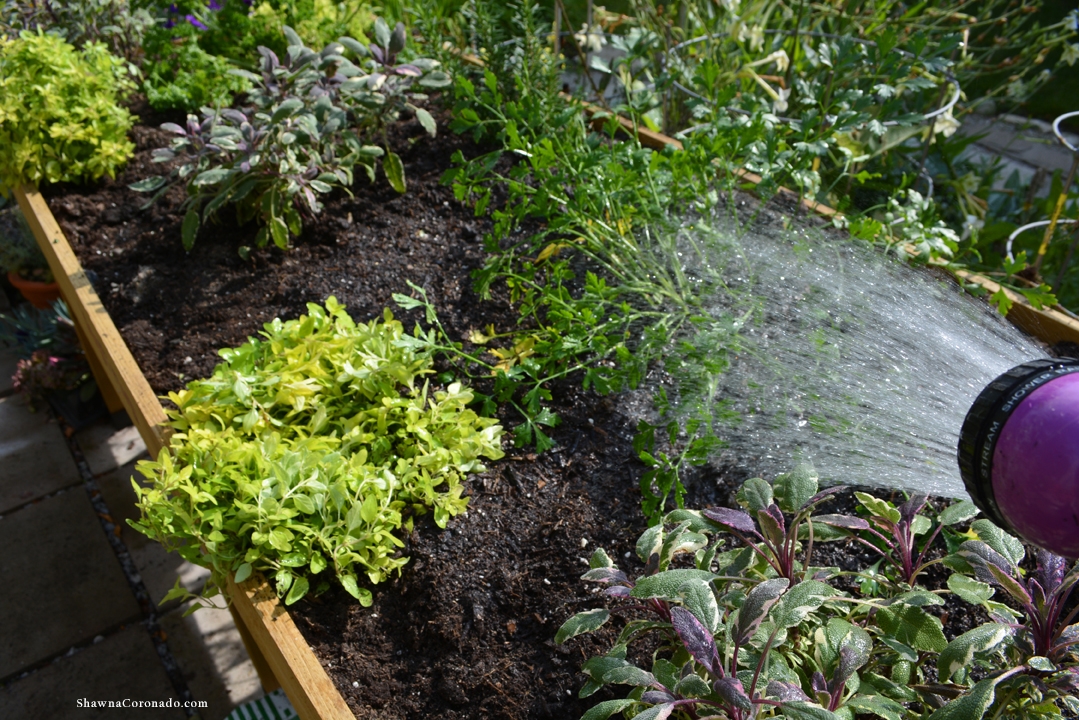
{"x":850,"y":359}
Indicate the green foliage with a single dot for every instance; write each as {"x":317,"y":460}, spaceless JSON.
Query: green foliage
{"x":28,"y":329}
{"x":614,"y":208}
{"x":733,"y":639}
{"x":308,"y":451}
{"x":238,"y":28}
{"x":300,"y":136}
{"x":178,"y":74}
{"x":60,"y":117}
{"x":191,"y":52}
{"x":114,"y":23}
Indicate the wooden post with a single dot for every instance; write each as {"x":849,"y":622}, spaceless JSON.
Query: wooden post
{"x":108,"y":392}
{"x":101,"y":340}
{"x":557,"y":30}
{"x":266,"y":675}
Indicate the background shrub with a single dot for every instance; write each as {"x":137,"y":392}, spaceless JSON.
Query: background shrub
{"x":179,"y":75}
{"x":191,"y":51}
{"x":113,"y":22}
{"x":301,"y":136}
{"x":60,"y":117}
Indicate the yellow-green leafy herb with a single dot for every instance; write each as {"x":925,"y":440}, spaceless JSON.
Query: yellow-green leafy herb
{"x":307,"y":451}
{"x":60,"y":118}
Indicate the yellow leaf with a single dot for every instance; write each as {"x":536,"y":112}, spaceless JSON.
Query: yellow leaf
{"x":479,"y":338}
{"x":550,"y":250}
{"x":510,"y":356}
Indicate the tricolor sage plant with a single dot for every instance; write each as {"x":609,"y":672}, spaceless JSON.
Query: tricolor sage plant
{"x":734,"y":639}
{"x":304,"y":130}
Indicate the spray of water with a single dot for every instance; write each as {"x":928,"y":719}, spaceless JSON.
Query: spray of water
{"x":848,"y":359}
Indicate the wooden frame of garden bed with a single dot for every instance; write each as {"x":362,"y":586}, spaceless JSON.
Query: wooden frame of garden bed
{"x":280,"y":654}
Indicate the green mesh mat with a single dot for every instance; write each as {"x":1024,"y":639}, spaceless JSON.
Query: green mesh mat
{"x":274,"y":706}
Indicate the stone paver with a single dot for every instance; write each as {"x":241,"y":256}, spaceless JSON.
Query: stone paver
{"x":62,"y":582}
{"x":34,"y":458}
{"x":158,"y":569}
{"x":106,"y":448}
{"x":211,"y":655}
{"x":121,"y":666}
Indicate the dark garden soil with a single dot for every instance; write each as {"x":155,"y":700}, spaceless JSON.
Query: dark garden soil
{"x":466,"y":631}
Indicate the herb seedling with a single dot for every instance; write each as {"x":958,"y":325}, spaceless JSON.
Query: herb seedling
{"x":307,"y":452}
{"x":777,"y":542}
{"x":1047,"y":630}
{"x":896,"y":530}
{"x":718,"y":643}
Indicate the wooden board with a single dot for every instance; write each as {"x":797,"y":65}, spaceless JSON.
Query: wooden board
{"x":278,"y":651}
{"x":103,"y":341}
{"x":1047,"y":324}
{"x":288,"y":655}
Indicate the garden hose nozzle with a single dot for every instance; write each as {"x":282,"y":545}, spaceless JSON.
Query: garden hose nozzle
{"x":1019,"y":453}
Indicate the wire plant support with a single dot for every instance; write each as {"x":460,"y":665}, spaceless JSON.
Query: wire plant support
{"x":1051,"y":224}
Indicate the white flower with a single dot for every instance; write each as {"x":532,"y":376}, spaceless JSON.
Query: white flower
{"x":945,"y":124}
{"x":779,"y":105}
{"x":589,"y":39}
{"x":971,"y":224}
{"x":781,"y":60}
{"x":1072,"y":21}
{"x":756,"y":38}
{"x":1071,"y":53}
{"x":1016,"y":89}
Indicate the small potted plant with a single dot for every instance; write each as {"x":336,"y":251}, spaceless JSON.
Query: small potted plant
{"x":24,"y":262}
{"x":52,"y":368}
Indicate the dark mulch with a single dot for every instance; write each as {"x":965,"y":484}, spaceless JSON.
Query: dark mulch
{"x":466,"y":631}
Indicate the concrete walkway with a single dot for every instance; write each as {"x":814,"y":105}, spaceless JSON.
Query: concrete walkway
{"x":79,"y":589}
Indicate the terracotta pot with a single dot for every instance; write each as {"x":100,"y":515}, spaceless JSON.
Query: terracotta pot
{"x":39,"y":294}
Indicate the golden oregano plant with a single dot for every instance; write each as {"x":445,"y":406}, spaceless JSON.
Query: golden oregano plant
{"x":307,"y":452}
{"x":60,"y":112}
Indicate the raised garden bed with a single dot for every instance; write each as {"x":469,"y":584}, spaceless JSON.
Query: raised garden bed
{"x":467,"y":630}
{"x":552,"y":507}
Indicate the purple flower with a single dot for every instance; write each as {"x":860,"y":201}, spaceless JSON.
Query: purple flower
{"x":214,"y":5}
{"x":195,"y":21}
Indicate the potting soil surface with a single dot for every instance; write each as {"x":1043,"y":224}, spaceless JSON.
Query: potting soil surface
{"x":467,"y":630}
